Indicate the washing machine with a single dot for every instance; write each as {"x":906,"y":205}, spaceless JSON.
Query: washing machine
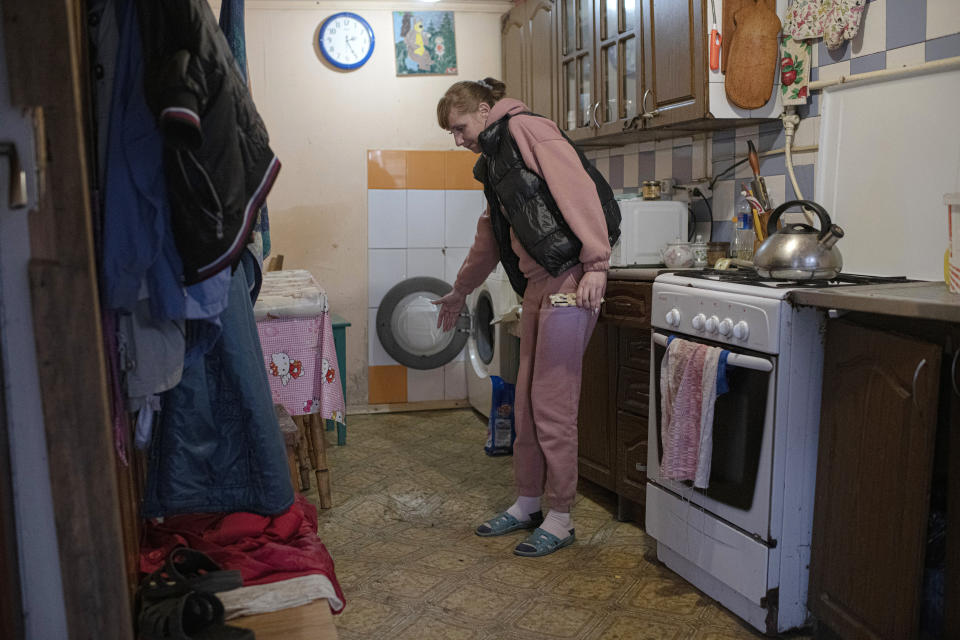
{"x":407,"y":329}
{"x":491,"y":348}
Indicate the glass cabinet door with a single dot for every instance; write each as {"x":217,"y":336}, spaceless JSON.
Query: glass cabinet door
{"x":577,"y":70}
{"x":618,"y":61}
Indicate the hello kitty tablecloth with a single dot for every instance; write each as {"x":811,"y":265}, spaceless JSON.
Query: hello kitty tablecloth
{"x":296,"y":335}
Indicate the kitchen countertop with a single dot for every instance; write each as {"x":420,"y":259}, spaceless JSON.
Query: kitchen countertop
{"x":929,"y":300}
{"x":643,"y":273}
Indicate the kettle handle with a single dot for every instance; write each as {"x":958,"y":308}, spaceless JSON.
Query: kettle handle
{"x":825,"y":223}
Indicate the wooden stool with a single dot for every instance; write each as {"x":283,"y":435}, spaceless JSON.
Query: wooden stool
{"x":297,"y":450}
{"x":313,"y":432}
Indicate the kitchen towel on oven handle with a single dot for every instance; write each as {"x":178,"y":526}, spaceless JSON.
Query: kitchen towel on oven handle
{"x":722,"y":385}
{"x":689,"y":385}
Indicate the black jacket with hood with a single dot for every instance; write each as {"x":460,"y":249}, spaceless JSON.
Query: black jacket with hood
{"x":218,"y":162}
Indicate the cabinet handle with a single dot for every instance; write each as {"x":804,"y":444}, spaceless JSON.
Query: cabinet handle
{"x":641,"y":467}
{"x":17,"y":198}
{"x":915,"y":374}
{"x":953,"y":372}
{"x":643,"y":106}
{"x":595,"y":107}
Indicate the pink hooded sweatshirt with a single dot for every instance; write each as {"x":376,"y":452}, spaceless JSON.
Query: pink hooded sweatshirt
{"x":550,"y":156}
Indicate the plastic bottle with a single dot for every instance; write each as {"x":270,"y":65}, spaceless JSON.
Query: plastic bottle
{"x":742,"y":245}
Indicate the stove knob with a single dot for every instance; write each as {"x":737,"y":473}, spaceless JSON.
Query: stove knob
{"x":713,"y":323}
{"x":673,"y":317}
{"x":741,"y":330}
{"x":698,"y":321}
{"x":726,"y":327}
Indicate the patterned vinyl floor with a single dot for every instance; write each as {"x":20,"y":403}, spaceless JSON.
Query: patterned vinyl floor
{"x":408,"y":490}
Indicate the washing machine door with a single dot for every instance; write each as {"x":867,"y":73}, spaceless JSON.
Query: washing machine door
{"x":407,"y":325}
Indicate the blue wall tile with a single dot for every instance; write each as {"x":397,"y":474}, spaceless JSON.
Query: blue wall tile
{"x":804,"y":173}
{"x":616,"y":172}
{"x":647,"y":163}
{"x":906,"y":23}
{"x":683,"y":164}
{"x":872,"y":62}
{"x":827,"y":56}
{"x":945,"y":47}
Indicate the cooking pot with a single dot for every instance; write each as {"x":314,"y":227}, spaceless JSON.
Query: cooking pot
{"x":798,"y":251}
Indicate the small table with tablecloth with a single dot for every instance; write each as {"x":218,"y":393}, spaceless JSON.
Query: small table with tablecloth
{"x":296,"y":335}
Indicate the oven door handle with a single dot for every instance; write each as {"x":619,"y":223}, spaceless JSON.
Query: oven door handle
{"x":733,"y":360}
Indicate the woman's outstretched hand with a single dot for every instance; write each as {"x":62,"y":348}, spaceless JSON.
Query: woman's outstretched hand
{"x":450,"y":307}
{"x":590,"y":290}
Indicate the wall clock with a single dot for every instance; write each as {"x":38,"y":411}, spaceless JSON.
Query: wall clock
{"x":346,"y":40}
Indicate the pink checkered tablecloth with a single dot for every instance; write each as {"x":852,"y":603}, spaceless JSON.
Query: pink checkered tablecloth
{"x":296,"y":335}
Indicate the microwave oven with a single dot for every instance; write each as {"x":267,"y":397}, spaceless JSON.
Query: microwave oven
{"x":646,"y":226}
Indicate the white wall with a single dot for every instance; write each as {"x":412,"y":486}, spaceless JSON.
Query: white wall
{"x":322,"y":122}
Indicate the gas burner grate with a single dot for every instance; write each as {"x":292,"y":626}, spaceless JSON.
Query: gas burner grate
{"x":750,"y":277}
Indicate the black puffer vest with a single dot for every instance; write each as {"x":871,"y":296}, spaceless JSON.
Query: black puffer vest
{"x":520,"y":200}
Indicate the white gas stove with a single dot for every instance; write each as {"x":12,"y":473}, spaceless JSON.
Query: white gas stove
{"x":745,"y":540}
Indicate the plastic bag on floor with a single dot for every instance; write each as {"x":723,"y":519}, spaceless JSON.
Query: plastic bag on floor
{"x":500,"y":430}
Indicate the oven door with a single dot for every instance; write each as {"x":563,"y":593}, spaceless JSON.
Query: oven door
{"x":740,"y":473}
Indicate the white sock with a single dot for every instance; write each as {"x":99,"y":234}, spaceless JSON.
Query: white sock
{"x":524,"y":507}
{"x":558,"y":523}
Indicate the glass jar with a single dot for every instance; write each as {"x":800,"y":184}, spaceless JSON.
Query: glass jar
{"x":650,"y":190}
{"x":699,"y":249}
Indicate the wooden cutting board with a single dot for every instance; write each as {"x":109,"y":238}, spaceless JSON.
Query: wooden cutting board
{"x":727,"y":29}
{"x":752,"y":61}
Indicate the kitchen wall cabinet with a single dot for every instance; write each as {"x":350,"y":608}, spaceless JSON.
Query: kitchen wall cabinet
{"x":885,"y":394}
{"x":529,"y":55}
{"x":634,"y":70}
{"x":614,"y":396}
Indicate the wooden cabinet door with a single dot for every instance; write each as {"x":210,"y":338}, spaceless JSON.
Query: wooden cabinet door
{"x":877,"y":426}
{"x":543,"y":96}
{"x":596,"y":429}
{"x":674,"y":54}
{"x":632,"y":457}
{"x":513,"y":42}
{"x":627,"y":303}
{"x":578,"y":103}
{"x":617,"y":35}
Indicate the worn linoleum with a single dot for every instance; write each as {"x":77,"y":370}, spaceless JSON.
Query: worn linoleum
{"x":408,"y":490}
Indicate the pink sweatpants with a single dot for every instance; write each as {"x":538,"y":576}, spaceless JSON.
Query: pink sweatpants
{"x":552,"y":342}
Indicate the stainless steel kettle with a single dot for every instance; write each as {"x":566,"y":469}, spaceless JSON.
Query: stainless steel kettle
{"x":798,"y":251}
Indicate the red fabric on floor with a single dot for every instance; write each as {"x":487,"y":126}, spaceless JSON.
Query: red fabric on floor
{"x":263,"y":548}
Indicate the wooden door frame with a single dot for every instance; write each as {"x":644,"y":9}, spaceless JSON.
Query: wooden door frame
{"x":46,"y":60}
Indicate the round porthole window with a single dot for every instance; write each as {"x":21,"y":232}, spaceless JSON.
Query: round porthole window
{"x":484,"y":332}
{"x":407,"y":325}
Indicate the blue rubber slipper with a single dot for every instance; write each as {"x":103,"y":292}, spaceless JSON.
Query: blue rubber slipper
{"x":540,"y":543}
{"x":505,"y":523}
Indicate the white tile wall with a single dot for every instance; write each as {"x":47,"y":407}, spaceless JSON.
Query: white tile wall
{"x":423,"y":386}
{"x":375,"y":350}
{"x":453,"y":258}
{"x":663,"y":161}
{"x":387,"y":268}
{"x":834,"y":71}
{"x":872,"y":37}
{"x":425,"y":214}
{"x":462,"y":210}
{"x":425,"y":262}
{"x":386,"y":218}
{"x":907,"y":56}
{"x":725,"y":194}
{"x":943,"y":18}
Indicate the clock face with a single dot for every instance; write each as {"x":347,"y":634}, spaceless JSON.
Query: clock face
{"x":346,"y":40}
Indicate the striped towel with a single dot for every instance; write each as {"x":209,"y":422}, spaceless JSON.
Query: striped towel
{"x":688,"y":391}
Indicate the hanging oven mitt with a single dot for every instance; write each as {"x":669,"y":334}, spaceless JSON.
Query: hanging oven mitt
{"x":832,"y":20}
{"x":795,"y":57}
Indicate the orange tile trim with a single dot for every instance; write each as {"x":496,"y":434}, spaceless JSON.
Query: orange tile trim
{"x":386,"y":169}
{"x":399,"y":169}
{"x":386,"y":384}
